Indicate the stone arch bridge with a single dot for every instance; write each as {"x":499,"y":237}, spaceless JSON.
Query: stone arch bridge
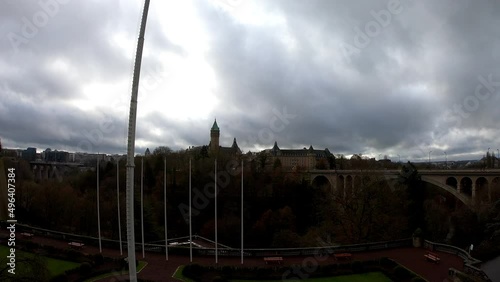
{"x":471,"y":187}
{"x":51,"y":170}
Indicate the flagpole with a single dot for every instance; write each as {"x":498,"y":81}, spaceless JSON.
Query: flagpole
{"x":98,"y":212}
{"x":132,"y":268}
{"x":242,"y":211}
{"x":142,"y":204}
{"x":165,"y":203}
{"x":190,"y":227}
{"x":216,"y":243}
{"x":118,"y":204}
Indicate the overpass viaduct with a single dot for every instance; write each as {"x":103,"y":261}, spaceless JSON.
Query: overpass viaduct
{"x":471,"y":187}
{"x":51,"y":170}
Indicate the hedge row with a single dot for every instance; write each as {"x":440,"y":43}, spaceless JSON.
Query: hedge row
{"x":387,"y":266}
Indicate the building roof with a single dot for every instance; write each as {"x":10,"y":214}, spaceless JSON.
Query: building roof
{"x":276,"y":151}
{"x":215,"y":126}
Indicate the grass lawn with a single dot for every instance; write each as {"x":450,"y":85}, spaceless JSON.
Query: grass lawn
{"x":55,"y":266}
{"x":178,"y":275}
{"x":140,"y":267}
{"x":365,"y":277}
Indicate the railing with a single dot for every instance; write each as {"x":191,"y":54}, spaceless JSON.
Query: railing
{"x":471,"y":265}
{"x":224,"y":251}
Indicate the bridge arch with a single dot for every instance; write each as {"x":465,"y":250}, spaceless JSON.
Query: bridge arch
{"x":322,"y":182}
{"x":466,"y":186}
{"x":348,"y":185}
{"x":341,"y":185}
{"x":481,"y":190}
{"x":495,"y":189}
{"x":452,"y":181}
{"x":450,"y":189}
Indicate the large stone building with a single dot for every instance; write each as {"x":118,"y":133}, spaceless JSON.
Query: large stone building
{"x":301,"y":158}
{"x":214,"y":148}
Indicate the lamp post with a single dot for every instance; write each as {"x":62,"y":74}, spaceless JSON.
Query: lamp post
{"x":488,"y":157}
{"x":430,"y":158}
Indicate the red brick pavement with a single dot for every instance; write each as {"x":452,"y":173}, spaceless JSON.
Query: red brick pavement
{"x":158,"y":269}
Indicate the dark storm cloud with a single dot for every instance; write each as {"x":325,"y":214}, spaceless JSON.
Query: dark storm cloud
{"x":442,"y":46}
{"x":411,"y":88}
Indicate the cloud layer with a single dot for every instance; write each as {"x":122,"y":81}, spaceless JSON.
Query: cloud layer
{"x":385,"y":77}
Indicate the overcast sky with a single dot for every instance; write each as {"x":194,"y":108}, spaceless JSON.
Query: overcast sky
{"x":371,"y":77}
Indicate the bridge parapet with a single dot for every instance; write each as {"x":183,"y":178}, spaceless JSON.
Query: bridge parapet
{"x":471,"y":187}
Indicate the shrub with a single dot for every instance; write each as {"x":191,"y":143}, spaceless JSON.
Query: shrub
{"x":387,"y":262}
{"x":85,"y":268}
{"x":60,"y":278}
{"x":30,"y":246}
{"x":193,"y":271}
{"x":98,"y":259}
{"x":357,"y":266}
{"x":402,"y":273}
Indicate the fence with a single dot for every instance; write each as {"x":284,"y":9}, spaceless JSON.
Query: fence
{"x":471,"y":265}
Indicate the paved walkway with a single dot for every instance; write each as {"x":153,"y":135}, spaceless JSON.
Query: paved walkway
{"x":158,"y":269}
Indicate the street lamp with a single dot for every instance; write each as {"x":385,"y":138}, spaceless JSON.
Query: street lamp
{"x":488,"y":157}
{"x":430,"y":157}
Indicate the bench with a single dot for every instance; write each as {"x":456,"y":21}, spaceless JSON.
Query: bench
{"x":343,"y":256}
{"x":269,"y":260}
{"x":432,"y":257}
{"x":27,"y":235}
{"x":76,"y":245}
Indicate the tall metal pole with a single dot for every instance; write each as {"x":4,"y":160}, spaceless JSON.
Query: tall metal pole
{"x":142,"y":205}
{"x":241,"y":211}
{"x":131,"y":147}
{"x":190,"y":226}
{"x":98,"y":212}
{"x":118,"y":204}
{"x":165,"y":203}
{"x":216,"y":243}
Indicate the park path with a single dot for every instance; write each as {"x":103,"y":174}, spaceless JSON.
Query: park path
{"x":159,"y":269}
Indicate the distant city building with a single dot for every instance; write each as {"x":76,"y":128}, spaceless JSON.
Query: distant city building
{"x":147,"y":153}
{"x":55,"y":156}
{"x":29,"y":154}
{"x":213,"y":148}
{"x":301,"y":158}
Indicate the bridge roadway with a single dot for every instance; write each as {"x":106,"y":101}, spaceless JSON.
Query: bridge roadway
{"x":472,"y":187}
{"x":50,"y":170}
